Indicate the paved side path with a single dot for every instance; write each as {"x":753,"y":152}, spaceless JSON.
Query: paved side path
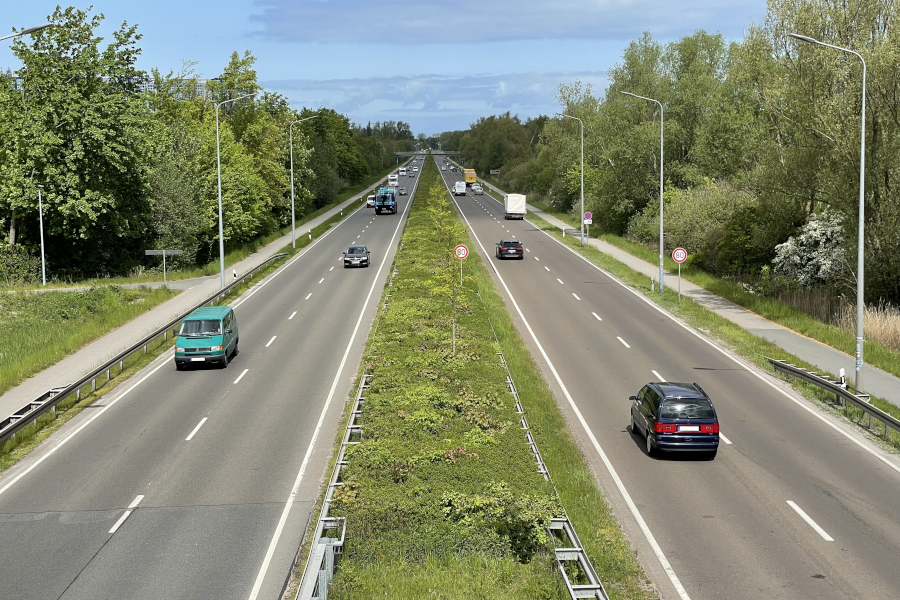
{"x":875,"y":381}
{"x":195,"y":291}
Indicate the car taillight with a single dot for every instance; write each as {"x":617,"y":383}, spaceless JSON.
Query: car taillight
{"x":714,"y":428}
{"x":663,"y":427}
{"x":503,"y":248}
{"x":519,"y":248}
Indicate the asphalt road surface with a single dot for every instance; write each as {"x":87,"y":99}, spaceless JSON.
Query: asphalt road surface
{"x":199,"y":483}
{"x":795,"y":505}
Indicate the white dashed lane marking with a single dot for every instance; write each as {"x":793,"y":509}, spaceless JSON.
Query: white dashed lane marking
{"x":623,"y":341}
{"x":596,"y":315}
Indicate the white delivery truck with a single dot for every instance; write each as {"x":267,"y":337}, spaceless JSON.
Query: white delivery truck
{"x":515,"y":206}
{"x":459,"y":188}
{"x":393,"y":180}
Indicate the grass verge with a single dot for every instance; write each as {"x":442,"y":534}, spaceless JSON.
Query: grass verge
{"x":442,"y":495}
{"x":747,"y":345}
{"x":29,"y":437}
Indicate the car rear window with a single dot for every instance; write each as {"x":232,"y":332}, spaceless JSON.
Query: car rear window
{"x":690,"y":408}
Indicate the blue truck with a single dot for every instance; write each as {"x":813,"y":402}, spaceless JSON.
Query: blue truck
{"x":385,"y":201}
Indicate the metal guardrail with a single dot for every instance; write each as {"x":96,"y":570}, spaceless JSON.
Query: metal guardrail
{"x":319,"y":569}
{"x":48,"y":401}
{"x":842,"y":394}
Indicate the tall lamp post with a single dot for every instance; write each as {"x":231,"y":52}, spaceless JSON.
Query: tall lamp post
{"x":582,"y":171}
{"x":860,"y":242}
{"x":291,"y":135}
{"x":219,"y":168}
{"x":27,"y":31}
{"x":661,"y":236}
{"x":41,"y":217}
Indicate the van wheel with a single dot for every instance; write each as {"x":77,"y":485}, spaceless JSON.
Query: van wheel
{"x":225,"y":362}
{"x":235,"y":351}
{"x":651,"y":451}
{"x":179,"y":367}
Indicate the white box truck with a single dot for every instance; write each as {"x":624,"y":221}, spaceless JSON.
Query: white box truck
{"x":459,"y":188}
{"x":515,"y":206}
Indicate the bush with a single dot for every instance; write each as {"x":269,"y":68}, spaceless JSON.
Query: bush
{"x":815,"y":255}
{"x":18,"y":267}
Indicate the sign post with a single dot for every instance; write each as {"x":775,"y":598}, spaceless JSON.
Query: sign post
{"x":587,"y":222}
{"x":163,"y":253}
{"x":679,"y":255}
{"x":461,"y":252}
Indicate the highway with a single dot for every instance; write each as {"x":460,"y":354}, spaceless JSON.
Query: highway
{"x":795,"y":505}
{"x":199,"y":484}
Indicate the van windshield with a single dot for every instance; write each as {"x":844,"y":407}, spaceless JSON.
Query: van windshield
{"x":201,"y":327}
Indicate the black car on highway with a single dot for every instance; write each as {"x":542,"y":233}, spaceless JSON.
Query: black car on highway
{"x":509,"y":249}
{"x":675,"y":417}
{"x":356,"y":255}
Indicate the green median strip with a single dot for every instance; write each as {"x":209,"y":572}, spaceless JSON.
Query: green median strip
{"x":442,"y":496}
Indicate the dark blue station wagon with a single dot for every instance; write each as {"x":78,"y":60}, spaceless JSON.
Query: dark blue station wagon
{"x":675,"y":417}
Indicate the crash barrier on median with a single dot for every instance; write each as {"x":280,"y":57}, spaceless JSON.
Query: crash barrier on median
{"x":842,"y":394}
{"x":324,"y":551}
{"x":567,"y":547}
{"x":47,"y":402}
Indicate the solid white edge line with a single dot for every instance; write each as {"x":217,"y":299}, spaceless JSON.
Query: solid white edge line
{"x":809,"y":521}
{"x":292,"y":315}
{"x":724,"y":439}
{"x":802,"y":403}
{"x":272,"y":340}
{"x":623,"y":341}
{"x":667,"y":567}
{"x":119,"y":522}
{"x":658,"y":376}
{"x":136,"y":501}
{"x":197,"y":428}
{"x":96,"y":415}
{"x":241,"y":376}
{"x":576,"y":296}
{"x":308,"y":295}
{"x":260,"y":577}
{"x":596,"y":315}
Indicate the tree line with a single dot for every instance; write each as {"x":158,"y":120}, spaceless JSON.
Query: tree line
{"x":125,"y":160}
{"x":761,"y":156}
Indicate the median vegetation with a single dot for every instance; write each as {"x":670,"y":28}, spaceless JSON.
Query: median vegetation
{"x":442,"y":495}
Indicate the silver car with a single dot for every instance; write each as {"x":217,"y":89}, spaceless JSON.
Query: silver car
{"x":476,"y":189}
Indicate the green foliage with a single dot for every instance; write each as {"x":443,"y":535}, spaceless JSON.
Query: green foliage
{"x":18,"y":266}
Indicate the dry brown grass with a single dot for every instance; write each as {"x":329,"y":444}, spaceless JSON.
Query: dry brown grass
{"x":881,"y":323}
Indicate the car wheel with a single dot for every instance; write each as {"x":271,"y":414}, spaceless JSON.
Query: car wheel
{"x":225,"y":362}
{"x":634,"y":427}
{"x":179,"y":367}
{"x":651,"y":451}
{"x":235,"y":351}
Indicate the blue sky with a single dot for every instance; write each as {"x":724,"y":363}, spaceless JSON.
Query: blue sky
{"x":436,"y":65}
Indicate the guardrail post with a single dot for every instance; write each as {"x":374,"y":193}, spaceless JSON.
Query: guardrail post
{"x":121,"y":365}
{"x":94,"y":384}
{"x":107,"y":374}
{"x":887,"y":431}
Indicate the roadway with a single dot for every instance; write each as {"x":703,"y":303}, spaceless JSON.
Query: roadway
{"x":756,"y":521}
{"x":200,"y":484}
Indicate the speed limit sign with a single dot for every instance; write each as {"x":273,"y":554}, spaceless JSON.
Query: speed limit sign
{"x":461,"y":252}
{"x":679,"y":255}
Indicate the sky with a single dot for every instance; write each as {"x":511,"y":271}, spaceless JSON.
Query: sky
{"x":438,"y":66}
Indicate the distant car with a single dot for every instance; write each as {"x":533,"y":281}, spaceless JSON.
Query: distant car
{"x":416,"y":169}
{"x":675,"y":417}
{"x":356,"y":255}
{"x":411,"y":173}
{"x":452,"y":168}
{"x":476,"y":189}
{"x":509,"y":249}
{"x":402,"y":192}
{"x":370,"y":202}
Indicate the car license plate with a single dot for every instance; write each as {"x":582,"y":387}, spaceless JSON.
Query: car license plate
{"x":198,"y":359}
{"x":688,"y":428}
{"x":510,"y":251}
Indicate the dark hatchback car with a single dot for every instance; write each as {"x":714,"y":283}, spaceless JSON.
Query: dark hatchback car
{"x":675,"y":417}
{"x":356,"y":256}
{"x":509,"y":249}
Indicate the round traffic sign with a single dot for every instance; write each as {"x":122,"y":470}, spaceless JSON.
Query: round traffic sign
{"x":679,"y":255}
{"x":588,"y":216}
{"x":461,"y":252}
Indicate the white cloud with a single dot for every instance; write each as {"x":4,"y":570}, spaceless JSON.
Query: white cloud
{"x":435,"y":102}
{"x":398,"y":22}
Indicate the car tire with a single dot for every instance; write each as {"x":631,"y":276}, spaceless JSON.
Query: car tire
{"x":235,"y":351}
{"x":651,"y":451}
{"x":179,"y":366}
{"x":225,"y":362}
{"x":634,"y":428}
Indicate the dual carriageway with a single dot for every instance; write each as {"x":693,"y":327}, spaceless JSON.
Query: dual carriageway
{"x":200,"y":484}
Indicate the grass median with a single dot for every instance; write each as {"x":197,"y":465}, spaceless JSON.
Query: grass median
{"x":442,"y":495}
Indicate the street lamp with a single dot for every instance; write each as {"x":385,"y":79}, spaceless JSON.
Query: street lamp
{"x":661,"y":236}
{"x":219,"y":167}
{"x":582,"y":171}
{"x":291,"y":133}
{"x":860,"y":244}
{"x":41,"y":217}
{"x":27,"y":31}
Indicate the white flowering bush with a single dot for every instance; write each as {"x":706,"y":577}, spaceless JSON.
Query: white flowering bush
{"x":816,"y":254}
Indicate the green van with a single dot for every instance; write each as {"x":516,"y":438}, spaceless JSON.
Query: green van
{"x":207,"y":335}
